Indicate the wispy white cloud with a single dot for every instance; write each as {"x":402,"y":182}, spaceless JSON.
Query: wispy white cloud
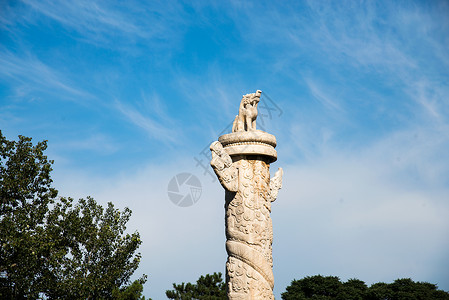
{"x":27,"y":73}
{"x":417,"y":152}
{"x":101,"y":22}
{"x":322,"y":96}
{"x":361,"y":39}
{"x":432,"y":97}
{"x":390,"y":39}
{"x":152,"y":125}
{"x":99,"y":143}
{"x":7,"y":118}
{"x":87,"y":15}
{"x":157,"y":107}
{"x":213,"y":94}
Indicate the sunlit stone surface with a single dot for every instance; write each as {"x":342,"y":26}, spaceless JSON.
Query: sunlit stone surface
{"x":241,"y":160}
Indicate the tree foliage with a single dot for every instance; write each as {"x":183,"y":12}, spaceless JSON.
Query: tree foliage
{"x":25,"y":194}
{"x":209,"y":287}
{"x":55,"y":247}
{"x":330,"y":287}
{"x":98,"y":257}
{"x":406,"y":288}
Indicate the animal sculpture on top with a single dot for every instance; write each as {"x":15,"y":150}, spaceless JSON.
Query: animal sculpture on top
{"x":246,"y":119}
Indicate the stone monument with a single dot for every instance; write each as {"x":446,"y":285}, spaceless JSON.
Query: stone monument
{"x":241,"y":161}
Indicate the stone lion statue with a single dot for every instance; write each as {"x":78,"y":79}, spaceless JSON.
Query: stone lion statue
{"x":246,"y":119}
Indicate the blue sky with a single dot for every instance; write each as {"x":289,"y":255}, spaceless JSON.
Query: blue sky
{"x":128,"y":94}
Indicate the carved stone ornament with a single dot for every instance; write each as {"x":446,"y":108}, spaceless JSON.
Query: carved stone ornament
{"x":241,"y":160}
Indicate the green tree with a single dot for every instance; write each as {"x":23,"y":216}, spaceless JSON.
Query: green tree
{"x":405,"y":289}
{"x":25,"y":194}
{"x":209,"y":287}
{"x":330,"y":287}
{"x":379,"y":290}
{"x":99,"y":256}
{"x":353,"y":289}
{"x":53,"y":247}
{"x":130,"y":292}
{"x":314,"y":287}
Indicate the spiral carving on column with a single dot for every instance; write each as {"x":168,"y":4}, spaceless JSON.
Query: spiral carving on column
{"x":249,"y":234}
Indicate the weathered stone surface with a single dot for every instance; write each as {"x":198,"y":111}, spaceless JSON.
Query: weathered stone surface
{"x":241,"y":161}
{"x":255,"y":142}
{"x":246,"y":119}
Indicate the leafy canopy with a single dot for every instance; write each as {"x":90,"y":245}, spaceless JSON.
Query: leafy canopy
{"x":330,"y":287}
{"x":209,"y":287}
{"x":54,"y":247}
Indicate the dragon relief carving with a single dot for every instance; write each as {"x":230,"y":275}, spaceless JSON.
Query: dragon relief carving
{"x":275,"y":186}
{"x":222,"y":165}
{"x":249,"y":233}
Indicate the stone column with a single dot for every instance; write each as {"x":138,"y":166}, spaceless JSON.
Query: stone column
{"x":241,"y":161}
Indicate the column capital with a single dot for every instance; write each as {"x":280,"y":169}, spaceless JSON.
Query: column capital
{"x":255,"y":142}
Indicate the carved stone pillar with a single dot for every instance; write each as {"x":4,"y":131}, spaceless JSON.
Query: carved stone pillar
{"x":241,"y":161}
